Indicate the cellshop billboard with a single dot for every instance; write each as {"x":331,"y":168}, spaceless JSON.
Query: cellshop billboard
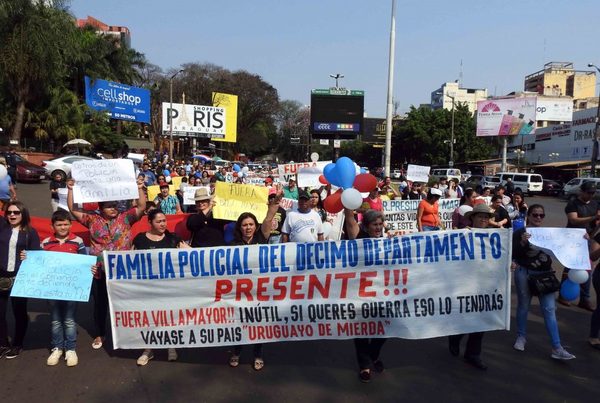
{"x":554,"y":109}
{"x":122,"y":101}
{"x":506,"y":116}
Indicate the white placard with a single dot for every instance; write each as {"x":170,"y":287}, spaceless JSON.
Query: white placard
{"x":62,"y":198}
{"x":104,"y":180}
{"x":568,"y":245}
{"x":189,"y":193}
{"x":417,"y":173}
{"x":309,"y":176}
{"x":289,"y":171}
{"x":139,"y":158}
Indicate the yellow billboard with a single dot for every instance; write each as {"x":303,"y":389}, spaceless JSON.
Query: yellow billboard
{"x":230,"y":103}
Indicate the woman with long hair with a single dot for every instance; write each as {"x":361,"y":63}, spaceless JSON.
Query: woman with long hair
{"x":317,"y":204}
{"x":428,"y":218}
{"x":367,"y":350}
{"x":458,"y":216}
{"x":247,"y":231}
{"x":16,"y":235}
{"x":528,"y":260}
{"x":158,"y":237}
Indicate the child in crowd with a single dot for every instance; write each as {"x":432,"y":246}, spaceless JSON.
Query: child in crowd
{"x":64,"y":328}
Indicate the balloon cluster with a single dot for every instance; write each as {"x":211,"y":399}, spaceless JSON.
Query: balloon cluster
{"x":343,"y":174}
{"x":569,"y":289}
{"x":239,"y":171}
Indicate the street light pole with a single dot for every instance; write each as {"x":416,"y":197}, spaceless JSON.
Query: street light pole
{"x":336,"y":77}
{"x":451,"y":163}
{"x":390,"y":94}
{"x":169,"y":116}
{"x":596,"y":133}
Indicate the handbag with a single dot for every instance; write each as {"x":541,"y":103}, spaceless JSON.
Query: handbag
{"x":6,"y":283}
{"x":542,"y":283}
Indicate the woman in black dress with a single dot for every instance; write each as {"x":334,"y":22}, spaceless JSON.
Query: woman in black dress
{"x":158,"y":237}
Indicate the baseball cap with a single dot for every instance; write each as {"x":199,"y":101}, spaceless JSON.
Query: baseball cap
{"x":163,"y":185}
{"x":436,"y":192}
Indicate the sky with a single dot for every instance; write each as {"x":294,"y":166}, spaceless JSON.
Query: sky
{"x":296,"y":44}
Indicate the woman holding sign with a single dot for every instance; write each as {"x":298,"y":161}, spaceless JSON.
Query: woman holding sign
{"x":367,"y":350}
{"x":109,"y":230}
{"x":527,"y":261}
{"x":248,"y":232}
{"x":16,"y":235}
{"x":157,"y":238}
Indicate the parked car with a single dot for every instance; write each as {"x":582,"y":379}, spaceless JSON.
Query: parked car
{"x":62,"y":165}
{"x":21,"y":170}
{"x":524,"y":182}
{"x":490,"y":182}
{"x":551,"y":188}
{"x":448,"y":173}
{"x":571,"y":188}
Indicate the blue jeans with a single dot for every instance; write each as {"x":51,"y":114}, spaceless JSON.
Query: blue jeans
{"x":547,"y":304}
{"x":64,"y":328}
{"x":430,"y":228}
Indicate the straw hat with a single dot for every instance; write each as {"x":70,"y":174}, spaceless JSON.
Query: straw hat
{"x":480,"y":209}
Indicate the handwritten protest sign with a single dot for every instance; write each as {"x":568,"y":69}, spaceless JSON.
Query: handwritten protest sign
{"x":289,"y":171}
{"x":401,"y":215}
{"x":309,"y":176}
{"x":417,"y":173}
{"x":54,"y":275}
{"x":387,"y":287}
{"x":233,"y":199}
{"x":104,"y":180}
{"x":568,"y":245}
{"x":189,"y":193}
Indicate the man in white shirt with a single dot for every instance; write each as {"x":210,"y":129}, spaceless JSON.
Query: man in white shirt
{"x":304,"y":224}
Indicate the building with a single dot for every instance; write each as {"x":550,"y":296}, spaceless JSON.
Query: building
{"x":122,"y":34}
{"x":442,"y":97}
{"x":561,"y":79}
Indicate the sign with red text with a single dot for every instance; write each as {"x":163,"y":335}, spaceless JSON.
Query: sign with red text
{"x":290,"y":171}
{"x":417,"y":286}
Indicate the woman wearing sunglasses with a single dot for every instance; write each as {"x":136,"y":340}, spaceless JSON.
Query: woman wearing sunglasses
{"x":109,"y":230}
{"x":16,"y":235}
{"x":526,"y":260}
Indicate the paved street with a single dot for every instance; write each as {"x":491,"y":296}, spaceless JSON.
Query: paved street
{"x":319,"y":371}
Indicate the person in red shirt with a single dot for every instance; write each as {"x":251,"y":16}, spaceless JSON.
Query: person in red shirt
{"x":428,"y":218}
{"x":372,"y":201}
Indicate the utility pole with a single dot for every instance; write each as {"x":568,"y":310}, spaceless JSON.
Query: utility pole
{"x":596,"y":134}
{"x":451,"y":163}
{"x":170,"y":112}
{"x":390,"y":96}
{"x":336,"y":77}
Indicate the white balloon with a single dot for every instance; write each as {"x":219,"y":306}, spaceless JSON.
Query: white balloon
{"x":3,"y":172}
{"x":351,"y":199}
{"x":314,"y":157}
{"x":245,"y":170}
{"x":365,"y":194}
{"x":326,"y":229}
{"x":462,"y":210}
{"x":168,"y":179}
{"x":578,"y":276}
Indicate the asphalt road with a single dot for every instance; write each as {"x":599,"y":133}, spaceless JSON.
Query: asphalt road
{"x":319,"y":371}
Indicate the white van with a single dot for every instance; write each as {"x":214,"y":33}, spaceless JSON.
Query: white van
{"x":524,"y":182}
{"x":449,"y":173}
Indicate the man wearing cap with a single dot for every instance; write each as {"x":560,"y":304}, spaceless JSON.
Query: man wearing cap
{"x":291,"y":190}
{"x":582,"y":212}
{"x":206,"y":230}
{"x":304,"y":224}
{"x":167,"y":203}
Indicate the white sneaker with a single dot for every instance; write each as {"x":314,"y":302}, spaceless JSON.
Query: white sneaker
{"x":54,"y":356}
{"x":146,"y":356}
{"x":172,"y":354}
{"x":561,"y":354}
{"x":71,"y":358}
{"x":520,"y":343}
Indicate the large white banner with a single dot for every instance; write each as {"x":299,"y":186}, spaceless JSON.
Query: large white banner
{"x":104,"y":180}
{"x":401,"y":215}
{"x":417,"y":286}
{"x":194,"y":120}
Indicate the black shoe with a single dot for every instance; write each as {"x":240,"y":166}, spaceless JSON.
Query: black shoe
{"x":3,"y":351}
{"x":476,"y":362}
{"x":454,"y":349}
{"x":587,"y":305}
{"x":378,"y":366}
{"x":13,"y":353}
{"x":365,"y":376}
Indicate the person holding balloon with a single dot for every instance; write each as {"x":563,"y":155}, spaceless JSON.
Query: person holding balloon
{"x":528,"y":260}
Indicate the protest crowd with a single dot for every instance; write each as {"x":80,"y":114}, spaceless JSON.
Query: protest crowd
{"x":176,"y":206}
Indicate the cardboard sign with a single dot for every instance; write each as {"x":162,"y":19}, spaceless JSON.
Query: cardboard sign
{"x":233,"y":199}
{"x":417,"y":173}
{"x":568,"y":245}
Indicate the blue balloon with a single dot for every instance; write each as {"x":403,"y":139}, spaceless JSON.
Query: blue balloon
{"x":363,"y":171}
{"x":330,"y":173}
{"x":166,"y":172}
{"x":236,"y":168}
{"x":346,"y":172}
{"x":569,"y":290}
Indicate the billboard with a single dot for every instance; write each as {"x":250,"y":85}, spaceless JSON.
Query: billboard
{"x":336,"y":113}
{"x":506,"y":116}
{"x":230,"y":103}
{"x":121,"y":101}
{"x":554,"y":109}
{"x":194,"y":120}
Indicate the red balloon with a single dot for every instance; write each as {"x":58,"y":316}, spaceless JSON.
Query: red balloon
{"x":235,"y":174}
{"x":323,"y":180}
{"x":365,"y":182}
{"x":333,"y":202}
